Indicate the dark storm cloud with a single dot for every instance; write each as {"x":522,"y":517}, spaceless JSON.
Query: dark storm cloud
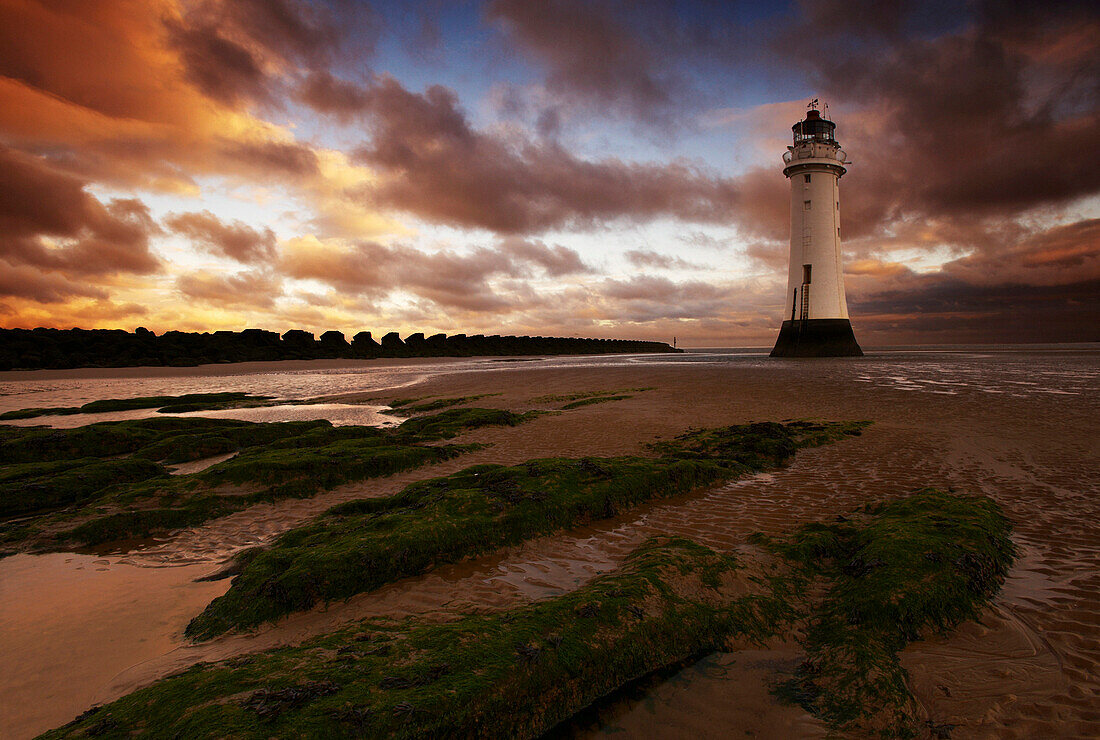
{"x":328,"y":94}
{"x":88,"y":237}
{"x":288,"y":159}
{"x":949,"y":310}
{"x":983,"y":120}
{"x":443,"y":170}
{"x":764,"y":209}
{"x":22,"y":281}
{"x":1043,"y":288}
{"x":1073,"y":245}
{"x":227,"y":46}
{"x":237,"y":240}
{"x":220,"y":68}
{"x":590,"y":52}
{"x":308,"y":30}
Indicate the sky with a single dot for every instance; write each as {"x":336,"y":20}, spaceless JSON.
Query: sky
{"x":594,"y":168}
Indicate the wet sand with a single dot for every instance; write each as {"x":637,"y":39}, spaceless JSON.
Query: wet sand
{"x":1020,"y":429}
{"x":68,"y":623}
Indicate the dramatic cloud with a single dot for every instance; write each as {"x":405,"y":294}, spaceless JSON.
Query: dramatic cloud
{"x":441,"y":169}
{"x":556,"y":260}
{"x":469,"y":281}
{"x":327,"y":94}
{"x":228,"y":48}
{"x":487,"y":166}
{"x":589,"y":52}
{"x":982,"y":121}
{"x":648,"y":258}
{"x":236,"y":241}
{"x":1041,"y":289}
{"x":247,"y":289}
{"x":647,"y":298}
{"x":42,"y":287}
{"x":49,"y":221}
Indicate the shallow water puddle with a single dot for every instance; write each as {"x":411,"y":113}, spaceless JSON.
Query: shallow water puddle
{"x":197,"y":466}
{"x":127,"y":615}
{"x":706,"y":700}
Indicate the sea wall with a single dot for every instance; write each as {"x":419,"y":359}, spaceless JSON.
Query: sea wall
{"x":33,"y":349}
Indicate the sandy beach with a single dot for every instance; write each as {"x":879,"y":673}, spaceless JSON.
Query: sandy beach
{"x":1020,"y":427}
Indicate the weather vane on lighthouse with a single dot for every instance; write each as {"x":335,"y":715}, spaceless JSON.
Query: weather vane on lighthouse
{"x":818,"y":325}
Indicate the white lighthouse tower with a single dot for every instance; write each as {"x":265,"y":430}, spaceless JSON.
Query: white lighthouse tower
{"x":816,"y":320}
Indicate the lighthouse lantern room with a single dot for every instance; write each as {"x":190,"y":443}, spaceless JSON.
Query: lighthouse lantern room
{"x":816,"y":322}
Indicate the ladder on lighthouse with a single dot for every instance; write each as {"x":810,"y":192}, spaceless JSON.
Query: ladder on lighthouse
{"x":804,"y":289}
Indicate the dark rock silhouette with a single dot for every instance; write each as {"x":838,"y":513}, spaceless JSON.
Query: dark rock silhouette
{"x":34,"y":349}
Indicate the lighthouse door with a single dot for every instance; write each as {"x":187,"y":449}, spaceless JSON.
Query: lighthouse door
{"x":806,"y":275}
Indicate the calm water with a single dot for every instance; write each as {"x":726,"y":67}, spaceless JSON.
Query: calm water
{"x":1018,"y":371}
{"x":1070,"y":370}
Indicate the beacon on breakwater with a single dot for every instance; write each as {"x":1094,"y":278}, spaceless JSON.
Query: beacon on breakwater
{"x":816,"y":320}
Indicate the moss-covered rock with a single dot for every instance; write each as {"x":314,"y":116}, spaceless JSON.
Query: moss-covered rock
{"x":508,"y":675}
{"x":880,"y":578}
{"x":890,"y":573}
{"x":165,"y":404}
{"x":363,"y":544}
{"x":114,"y":499}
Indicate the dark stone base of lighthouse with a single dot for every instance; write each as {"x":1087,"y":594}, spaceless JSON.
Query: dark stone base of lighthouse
{"x":817,"y":338}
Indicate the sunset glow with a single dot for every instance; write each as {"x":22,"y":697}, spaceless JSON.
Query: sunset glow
{"x":563,"y":168}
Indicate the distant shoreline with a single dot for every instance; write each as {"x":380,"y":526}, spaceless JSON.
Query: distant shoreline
{"x":64,"y":349}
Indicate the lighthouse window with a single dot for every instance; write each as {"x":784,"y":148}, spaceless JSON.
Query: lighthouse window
{"x":806,"y":205}
{"x":807,"y":178}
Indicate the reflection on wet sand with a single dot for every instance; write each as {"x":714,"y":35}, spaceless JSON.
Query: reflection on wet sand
{"x":69,"y":622}
{"x":1028,"y":670}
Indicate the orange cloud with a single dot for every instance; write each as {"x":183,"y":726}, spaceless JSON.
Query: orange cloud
{"x":237,"y":241}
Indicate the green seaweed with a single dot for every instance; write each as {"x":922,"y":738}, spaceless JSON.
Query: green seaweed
{"x":113,"y":438}
{"x":364,"y":544}
{"x":451,"y":423}
{"x":134,"y":496}
{"x":514,"y":674}
{"x":166,"y":404}
{"x":925,"y":562}
{"x":880,"y":578}
{"x":32,"y":413}
{"x":66,"y":485}
{"x":400,"y":402}
{"x":584,"y":395}
{"x":590,"y":401}
{"x":407,"y":407}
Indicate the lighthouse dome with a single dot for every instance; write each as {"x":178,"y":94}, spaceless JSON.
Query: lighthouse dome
{"x":814,"y":128}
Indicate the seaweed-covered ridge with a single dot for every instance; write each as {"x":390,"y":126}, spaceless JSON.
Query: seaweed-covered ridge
{"x":361,"y":545}
{"x":881,"y":577}
{"x":66,"y":491}
{"x":889,"y":574}
{"x":514,"y":674}
{"x":163,"y":404}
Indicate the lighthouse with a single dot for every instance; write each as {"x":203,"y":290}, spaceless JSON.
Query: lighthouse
{"x":816,"y":320}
